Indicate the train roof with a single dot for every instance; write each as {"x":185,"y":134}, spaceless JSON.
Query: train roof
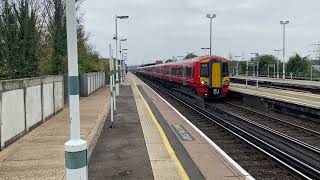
{"x":196,"y":59}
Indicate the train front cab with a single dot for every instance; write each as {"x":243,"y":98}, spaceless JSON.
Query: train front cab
{"x":214,"y":75}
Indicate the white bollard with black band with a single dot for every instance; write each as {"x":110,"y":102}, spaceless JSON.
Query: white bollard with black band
{"x":75,"y":148}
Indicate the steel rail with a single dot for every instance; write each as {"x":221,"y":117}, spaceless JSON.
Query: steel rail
{"x":273,"y":118}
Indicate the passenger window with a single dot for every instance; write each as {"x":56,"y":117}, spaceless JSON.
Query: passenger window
{"x":188,"y":71}
{"x":204,"y":70}
{"x":225,"y":69}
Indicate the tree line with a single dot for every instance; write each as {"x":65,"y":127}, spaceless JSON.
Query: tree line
{"x":33,"y":40}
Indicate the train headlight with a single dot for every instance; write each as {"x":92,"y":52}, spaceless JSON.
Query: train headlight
{"x":203,"y":82}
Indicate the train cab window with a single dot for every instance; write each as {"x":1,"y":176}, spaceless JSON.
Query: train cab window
{"x":204,"y":70}
{"x":225,"y":69}
{"x":188,"y":71}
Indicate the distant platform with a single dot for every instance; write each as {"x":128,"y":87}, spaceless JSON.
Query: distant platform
{"x":297,"y":103}
{"x":273,"y":81}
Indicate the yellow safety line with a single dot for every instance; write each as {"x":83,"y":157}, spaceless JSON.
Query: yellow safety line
{"x":166,"y":142}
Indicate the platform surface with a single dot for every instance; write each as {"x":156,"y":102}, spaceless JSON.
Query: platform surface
{"x":121,"y":151}
{"x":303,"y":83}
{"x":298,"y":98}
{"x":40,"y":153}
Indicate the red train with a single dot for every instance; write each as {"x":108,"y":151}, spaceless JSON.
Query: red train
{"x":206,"y":76}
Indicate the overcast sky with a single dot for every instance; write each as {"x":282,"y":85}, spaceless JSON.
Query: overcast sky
{"x":161,"y":29}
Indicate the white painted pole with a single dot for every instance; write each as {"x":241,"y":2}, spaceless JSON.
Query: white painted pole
{"x":75,"y":148}
{"x":111,"y":84}
{"x":274,"y":71}
{"x":120,"y":65}
{"x":114,"y":83}
{"x":247,"y":69}
{"x":237,"y":67}
{"x":257,"y":84}
{"x":117,"y":64}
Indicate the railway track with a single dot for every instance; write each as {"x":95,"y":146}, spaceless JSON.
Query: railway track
{"x":304,"y":132}
{"x":261,"y":152}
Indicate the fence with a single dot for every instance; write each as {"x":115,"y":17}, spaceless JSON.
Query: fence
{"x":90,"y":82}
{"x":26,"y":103}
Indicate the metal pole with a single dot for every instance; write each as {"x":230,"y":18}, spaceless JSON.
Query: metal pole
{"x":278,"y":68}
{"x":117,"y":63}
{"x":257,"y":71}
{"x":210,"y":36}
{"x":274,"y":71}
{"x":268,"y":71}
{"x":247,"y":68}
{"x":75,"y":148}
{"x":120,"y":65}
{"x":284,"y":50}
{"x":311,"y":71}
{"x":111,"y":84}
{"x":237,"y":68}
{"x":253,"y":68}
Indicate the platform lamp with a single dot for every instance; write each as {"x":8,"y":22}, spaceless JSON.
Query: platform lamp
{"x":75,"y":148}
{"x":116,"y":39}
{"x":257,"y":61}
{"x":211,"y":16}
{"x":205,"y":50}
{"x":284,"y":23}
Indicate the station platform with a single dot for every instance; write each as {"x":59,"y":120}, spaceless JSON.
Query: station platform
{"x":152,"y":140}
{"x":40,"y":154}
{"x":293,"y":97}
{"x":287,"y":82}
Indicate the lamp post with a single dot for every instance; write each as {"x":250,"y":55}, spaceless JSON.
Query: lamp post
{"x":284,"y":23}
{"x":278,"y":60}
{"x":75,"y":148}
{"x":205,"y":50}
{"x":257,"y":57}
{"x":247,"y":69}
{"x":117,"y":62}
{"x":211,"y":16}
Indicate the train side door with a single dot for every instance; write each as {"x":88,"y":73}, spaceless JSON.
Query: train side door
{"x":216,"y":77}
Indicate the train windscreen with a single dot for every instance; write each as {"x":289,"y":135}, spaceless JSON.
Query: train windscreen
{"x":204,"y":70}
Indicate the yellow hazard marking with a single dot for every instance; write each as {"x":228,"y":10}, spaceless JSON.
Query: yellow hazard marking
{"x":165,"y":140}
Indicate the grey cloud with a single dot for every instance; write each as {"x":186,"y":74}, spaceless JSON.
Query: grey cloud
{"x":160,"y":29}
